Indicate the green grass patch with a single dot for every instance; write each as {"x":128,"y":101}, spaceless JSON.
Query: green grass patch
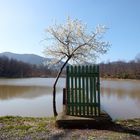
{"x":24,"y":126}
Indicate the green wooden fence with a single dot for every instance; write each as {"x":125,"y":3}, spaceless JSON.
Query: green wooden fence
{"x":83,"y":91}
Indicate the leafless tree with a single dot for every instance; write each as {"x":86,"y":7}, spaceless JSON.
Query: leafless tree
{"x":72,"y":42}
{"x":137,"y":58}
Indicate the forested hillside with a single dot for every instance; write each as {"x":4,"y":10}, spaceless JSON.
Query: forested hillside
{"x":120,"y":69}
{"x":14,"y":68}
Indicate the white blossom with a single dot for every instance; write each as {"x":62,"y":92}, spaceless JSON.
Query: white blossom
{"x":72,"y":39}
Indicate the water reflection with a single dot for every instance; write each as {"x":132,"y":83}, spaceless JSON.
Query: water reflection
{"x":32,"y":82}
{"x":28,"y":101}
{"x":28,"y":97}
{"x":28,"y":92}
{"x":121,"y":98}
{"x":121,"y":93}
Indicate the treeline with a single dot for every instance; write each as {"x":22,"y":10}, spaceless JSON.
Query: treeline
{"x":120,"y":69}
{"x":14,"y":68}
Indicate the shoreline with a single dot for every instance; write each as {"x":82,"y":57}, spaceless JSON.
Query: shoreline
{"x":119,"y":79}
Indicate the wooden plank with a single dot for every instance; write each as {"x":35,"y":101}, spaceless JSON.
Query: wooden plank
{"x":87,"y":90}
{"x":72,"y":96}
{"x":75,"y":71}
{"x":95,"y":108}
{"x":68,"y":91}
{"x":98,"y":91}
{"x":91,"y":91}
{"x":82,"y":104}
{"x":79,"y":91}
{"x":84,"y":74}
{"x":83,"y":87}
{"x":64,"y":96}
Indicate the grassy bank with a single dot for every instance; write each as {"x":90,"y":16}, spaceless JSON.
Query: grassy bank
{"x":18,"y":128}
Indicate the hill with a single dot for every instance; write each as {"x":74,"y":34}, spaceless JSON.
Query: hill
{"x":27,"y":58}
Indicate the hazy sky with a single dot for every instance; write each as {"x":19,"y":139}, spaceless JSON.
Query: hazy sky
{"x":22,"y":23}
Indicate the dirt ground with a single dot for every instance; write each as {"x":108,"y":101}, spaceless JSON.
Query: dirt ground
{"x":23,"y":128}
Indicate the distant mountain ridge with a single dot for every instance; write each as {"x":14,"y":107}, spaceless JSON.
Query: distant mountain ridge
{"x":27,"y":58}
{"x":32,"y":59}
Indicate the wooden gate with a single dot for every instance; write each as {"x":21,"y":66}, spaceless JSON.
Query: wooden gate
{"x":83,"y":91}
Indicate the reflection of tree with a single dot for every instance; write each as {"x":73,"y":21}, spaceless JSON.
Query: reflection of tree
{"x":121,"y":92}
{"x":138,"y":102}
{"x":8,"y":92}
{"x":121,"y":98}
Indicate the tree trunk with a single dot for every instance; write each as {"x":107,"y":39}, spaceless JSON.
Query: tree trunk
{"x":54,"y":100}
{"x":54,"y":87}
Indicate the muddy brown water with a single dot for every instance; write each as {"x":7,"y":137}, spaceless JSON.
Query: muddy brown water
{"x":33,"y":97}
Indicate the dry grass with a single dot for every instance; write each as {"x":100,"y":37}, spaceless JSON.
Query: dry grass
{"x":25,"y":128}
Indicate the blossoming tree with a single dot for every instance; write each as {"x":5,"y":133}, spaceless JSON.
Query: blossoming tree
{"x":72,"y":42}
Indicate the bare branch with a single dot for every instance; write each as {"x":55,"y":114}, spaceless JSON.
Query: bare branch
{"x":54,"y":34}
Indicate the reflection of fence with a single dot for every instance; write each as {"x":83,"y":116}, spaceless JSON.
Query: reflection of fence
{"x":83,"y":91}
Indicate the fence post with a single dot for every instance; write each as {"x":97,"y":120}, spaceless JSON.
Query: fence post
{"x":64,"y":96}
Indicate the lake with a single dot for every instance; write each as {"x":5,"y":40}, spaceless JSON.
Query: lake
{"x":33,"y":97}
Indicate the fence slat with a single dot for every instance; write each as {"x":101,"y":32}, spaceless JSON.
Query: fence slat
{"x":87,"y":90}
{"x":83,"y":87}
{"x":79,"y":91}
{"x":68,"y":92}
{"x":75,"y":71}
{"x":72,"y":96}
{"x":95,"y":88}
{"x":91,"y":90}
{"x":98,"y":90}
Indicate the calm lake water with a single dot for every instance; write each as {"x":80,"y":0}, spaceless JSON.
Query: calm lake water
{"x":33,"y":97}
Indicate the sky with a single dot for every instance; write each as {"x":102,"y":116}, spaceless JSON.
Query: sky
{"x":23,"y":24}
